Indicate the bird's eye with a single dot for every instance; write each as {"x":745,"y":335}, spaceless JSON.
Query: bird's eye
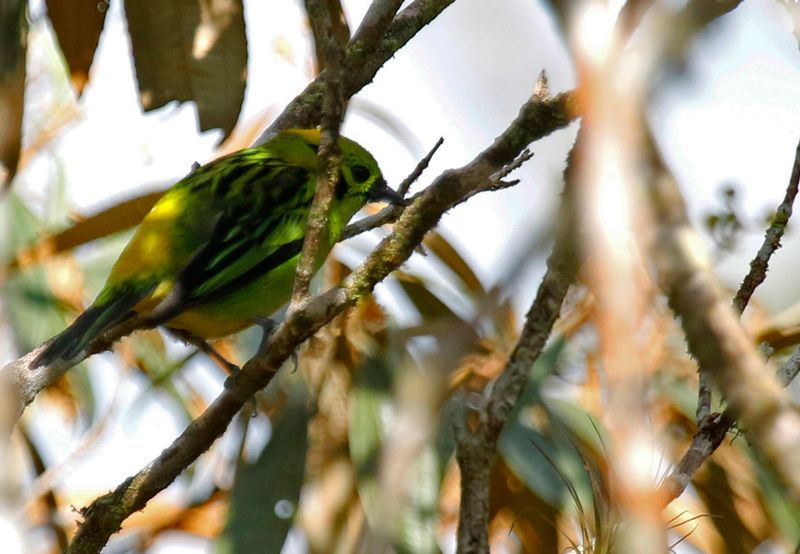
{"x":360,"y":173}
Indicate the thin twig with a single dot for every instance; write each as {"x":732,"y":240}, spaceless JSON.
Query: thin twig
{"x":329,"y":156}
{"x":391,"y":212}
{"x":703,"y":409}
{"x":402,"y":189}
{"x":105,"y":515}
{"x":712,"y":428}
{"x":21,"y":382}
{"x":717,"y":340}
{"x":360,"y":66}
{"x":772,"y":240}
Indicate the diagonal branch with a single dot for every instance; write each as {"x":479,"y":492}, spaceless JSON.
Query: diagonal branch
{"x":712,"y":426}
{"x":360,"y":66}
{"x":772,"y":240}
{"x":476,"y":448}
{"x":716,"y":339}
{"x":106,"y":514}
{"x":377,"y":19}
{"x":20,"y":382}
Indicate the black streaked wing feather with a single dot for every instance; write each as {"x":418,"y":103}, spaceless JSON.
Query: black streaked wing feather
{"x":246,"y":241}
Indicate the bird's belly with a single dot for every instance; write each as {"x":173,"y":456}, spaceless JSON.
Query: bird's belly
{"x":239,"y":309}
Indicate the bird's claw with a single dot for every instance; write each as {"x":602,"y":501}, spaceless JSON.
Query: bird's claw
{"x":268,"y":326}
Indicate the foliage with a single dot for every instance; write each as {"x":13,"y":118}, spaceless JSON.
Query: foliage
{"x":353,"y":449}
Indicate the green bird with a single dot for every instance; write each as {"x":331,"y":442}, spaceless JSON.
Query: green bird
{"x":219,"y":250}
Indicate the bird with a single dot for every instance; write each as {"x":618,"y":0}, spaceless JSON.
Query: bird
{"x":217,"y":253}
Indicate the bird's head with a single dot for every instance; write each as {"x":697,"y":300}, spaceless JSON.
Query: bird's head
{"x":361,"y":175}
{"x":360,"y":178}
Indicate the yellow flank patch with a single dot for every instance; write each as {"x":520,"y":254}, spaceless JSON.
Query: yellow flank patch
{"x":150,"y":248}
{"x":168,"y":207}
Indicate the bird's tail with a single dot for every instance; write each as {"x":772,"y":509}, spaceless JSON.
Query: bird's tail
{"x":91,"y":323}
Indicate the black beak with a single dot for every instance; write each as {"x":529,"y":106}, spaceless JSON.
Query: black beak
{"x":381,"y":191}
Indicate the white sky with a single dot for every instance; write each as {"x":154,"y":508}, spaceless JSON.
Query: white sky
{"x":737,"y":118}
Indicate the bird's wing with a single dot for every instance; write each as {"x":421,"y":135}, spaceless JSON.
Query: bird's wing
{"x":261,"y":224}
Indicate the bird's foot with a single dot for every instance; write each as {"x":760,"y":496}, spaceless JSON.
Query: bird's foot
{"x":229,"y":367}
{"x":268,"y":326}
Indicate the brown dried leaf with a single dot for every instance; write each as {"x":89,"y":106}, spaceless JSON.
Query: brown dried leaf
{"x":77,"y":24}
{"x":453,"y":260}
{"x":191,"y":50}
{"x":13,"y":41}
{"x":107,"y":222}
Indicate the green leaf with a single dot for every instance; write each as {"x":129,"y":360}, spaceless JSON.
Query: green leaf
{"x":265,"y":495}
{"x":190,"y":50}
{"x":530,"y":466}
{"x":371,"y":415}
{"x":784,"y":513}
{"x":516,"y":442}
{"x":34,"y":312}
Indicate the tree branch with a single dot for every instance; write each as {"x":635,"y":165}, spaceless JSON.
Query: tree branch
{"x":21,"y":382}
{"x":328,"y":156}
{"x":106,"y":514}
{"x":476,"y":448}
{"x":360,"y":66}
{"x":712,"y":427}
{"x":717,"y":341}
{"x":375,"y":23}
{"x":772,"y":240}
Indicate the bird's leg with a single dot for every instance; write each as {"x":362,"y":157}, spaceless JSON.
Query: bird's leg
{"x":268,"y":326}
{"x":207,"y":349}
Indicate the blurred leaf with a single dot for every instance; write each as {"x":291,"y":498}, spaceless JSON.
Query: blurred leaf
{"x":713,"y":484}
{"x":779,"y":508}
{"x":265,"y":495}
{"x":370,"y":415}
{"x":77,"y":24}
{"x":35,"y":313}
{"x":535,"y":520}
{"x":371,"y":393}
{"x":516,"y":446}
{"x":427,"y":304}
{"x":579,"y":422}
{"x":533,"y":469}
{"x":146,"y":350}
{"x":544,"y":367}
{"x":107,"y":222}
{"x":48,"y":498}
{"x":453,"y":260}
{"x":190,"y":50}
{"x":13,"y":43}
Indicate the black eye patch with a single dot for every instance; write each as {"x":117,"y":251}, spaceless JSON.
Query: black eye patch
{"x":341,"y":186}
{"x":360,"y":173}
